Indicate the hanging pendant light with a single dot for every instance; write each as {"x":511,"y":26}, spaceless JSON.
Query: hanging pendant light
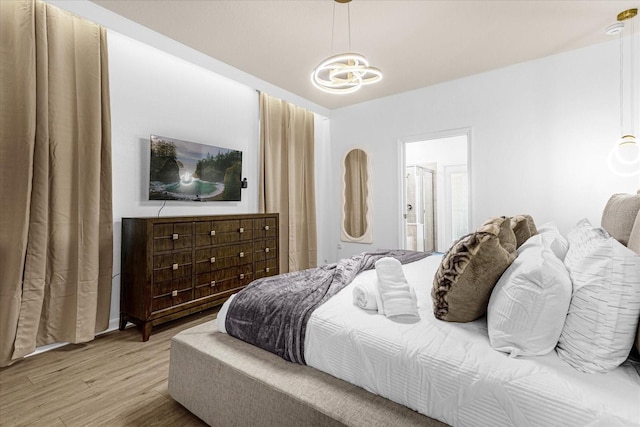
{"x":345,"y":72}
{"x":624,"y":157}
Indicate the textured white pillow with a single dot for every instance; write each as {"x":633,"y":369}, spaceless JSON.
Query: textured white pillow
{"x":550,"y":237}
{"x":634,"y":237}
{"x":605,"y":305}
{"x":528,"y":305}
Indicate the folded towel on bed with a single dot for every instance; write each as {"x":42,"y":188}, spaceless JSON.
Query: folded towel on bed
{"x":397,"y":297}
{"x":366,"y":296}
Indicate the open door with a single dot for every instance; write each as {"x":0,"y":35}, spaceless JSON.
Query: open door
{"x":436,"y":192}
{"x":420,"y":216}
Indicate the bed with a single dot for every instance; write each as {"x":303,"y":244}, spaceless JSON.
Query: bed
{"x":364,"y":368}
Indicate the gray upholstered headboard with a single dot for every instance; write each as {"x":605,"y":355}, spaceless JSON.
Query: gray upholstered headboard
{"x":621,"y":218}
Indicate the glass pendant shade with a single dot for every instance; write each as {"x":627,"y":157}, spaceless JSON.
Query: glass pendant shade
{"x":624,"y":156}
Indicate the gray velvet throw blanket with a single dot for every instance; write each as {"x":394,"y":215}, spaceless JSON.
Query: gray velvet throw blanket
{"x":272,"y":312}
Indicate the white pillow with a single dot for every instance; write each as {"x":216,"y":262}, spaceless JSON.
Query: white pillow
{"x":528,"y":305}
{"x":550,"y":237}
{"x":605,"y":305}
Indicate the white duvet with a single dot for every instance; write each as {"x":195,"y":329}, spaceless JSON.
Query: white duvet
{"x":449,"y":371}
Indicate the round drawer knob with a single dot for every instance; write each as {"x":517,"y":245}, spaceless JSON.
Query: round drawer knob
{"x":266,"y":249}
{"x":266,"y":227}
{"x":212,"y":233}
{"x":241,"y":254}
{"x":213,"y":259}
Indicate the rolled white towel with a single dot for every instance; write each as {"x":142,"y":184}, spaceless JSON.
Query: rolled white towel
{"x":365,"y":296}
{"x":395,"y":292}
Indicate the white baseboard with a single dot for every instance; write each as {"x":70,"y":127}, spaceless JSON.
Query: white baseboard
{"x":114,"y":324}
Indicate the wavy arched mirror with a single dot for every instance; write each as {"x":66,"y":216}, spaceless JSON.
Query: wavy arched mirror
{"x":356,"y":213}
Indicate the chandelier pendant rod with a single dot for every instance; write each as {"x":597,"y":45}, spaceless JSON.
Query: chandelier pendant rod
{"x":333,"y":27}
{"x":632,"y":79}
{"x":621,"y":82}
{"x":348,"y":22}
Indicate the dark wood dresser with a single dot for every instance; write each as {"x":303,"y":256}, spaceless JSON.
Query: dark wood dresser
{"x":175,"y":266}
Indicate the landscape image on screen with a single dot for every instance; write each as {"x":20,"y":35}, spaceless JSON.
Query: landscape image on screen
{"x":181,"y":170}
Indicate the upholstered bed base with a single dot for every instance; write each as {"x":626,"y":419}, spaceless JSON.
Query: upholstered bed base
{"x":227,"y":382}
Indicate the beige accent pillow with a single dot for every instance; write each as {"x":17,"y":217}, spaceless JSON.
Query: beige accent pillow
{"x":466,"y":276}
{"x":619,"y":215}
{"x":501,"y":227}
{"x":523,"y":227}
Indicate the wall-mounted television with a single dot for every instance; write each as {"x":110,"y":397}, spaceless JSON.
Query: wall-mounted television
{"x":182,"y":170}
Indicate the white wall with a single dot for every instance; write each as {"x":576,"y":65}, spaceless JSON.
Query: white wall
{"x":154,"y":92}
{"x":540,"y":135}
{"x":324,"y":172}
{"x":444,"y":151}
{"x":112,"y":21}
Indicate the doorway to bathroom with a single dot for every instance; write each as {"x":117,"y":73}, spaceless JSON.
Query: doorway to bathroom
{"x":436,"y":190}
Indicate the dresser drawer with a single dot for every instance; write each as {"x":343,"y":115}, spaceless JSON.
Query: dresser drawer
{"x":170,"y":237}
{"x":214,"y":258}
{"x":170,"y":300}
{"x":221,"y":274}
{"x":172,"y":266}
{"x":233,"y":255}
{"x":265,"y":249}
{"x":168,"y":286}
{"x":266,"y":268}
{"x":246,"y":229}
{"x":233,"y":284}
{"x":210,"y":233}
{"x":223,"y":280}
{"x":265,"y":227}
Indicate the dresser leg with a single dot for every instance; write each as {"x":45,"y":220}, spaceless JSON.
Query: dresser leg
{"x":123,"y":321}
{"x":146,"y":331}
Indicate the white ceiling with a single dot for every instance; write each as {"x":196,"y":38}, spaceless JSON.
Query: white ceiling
{"x":415,"y":43}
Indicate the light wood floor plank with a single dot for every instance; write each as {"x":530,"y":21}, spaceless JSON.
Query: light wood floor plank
{"x":30,"y":404}
{"x":115,"y":380}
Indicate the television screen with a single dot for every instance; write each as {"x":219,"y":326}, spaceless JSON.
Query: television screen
{"x":181,"y":170}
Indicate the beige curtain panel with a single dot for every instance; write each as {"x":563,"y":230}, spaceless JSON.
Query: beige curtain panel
{"x":55,"y":160}
{"x":287,"y":183}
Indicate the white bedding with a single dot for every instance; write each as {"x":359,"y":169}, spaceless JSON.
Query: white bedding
{"x":449,"y":371}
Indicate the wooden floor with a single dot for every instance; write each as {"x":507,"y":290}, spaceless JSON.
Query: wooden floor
{"x":115,"y":380}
